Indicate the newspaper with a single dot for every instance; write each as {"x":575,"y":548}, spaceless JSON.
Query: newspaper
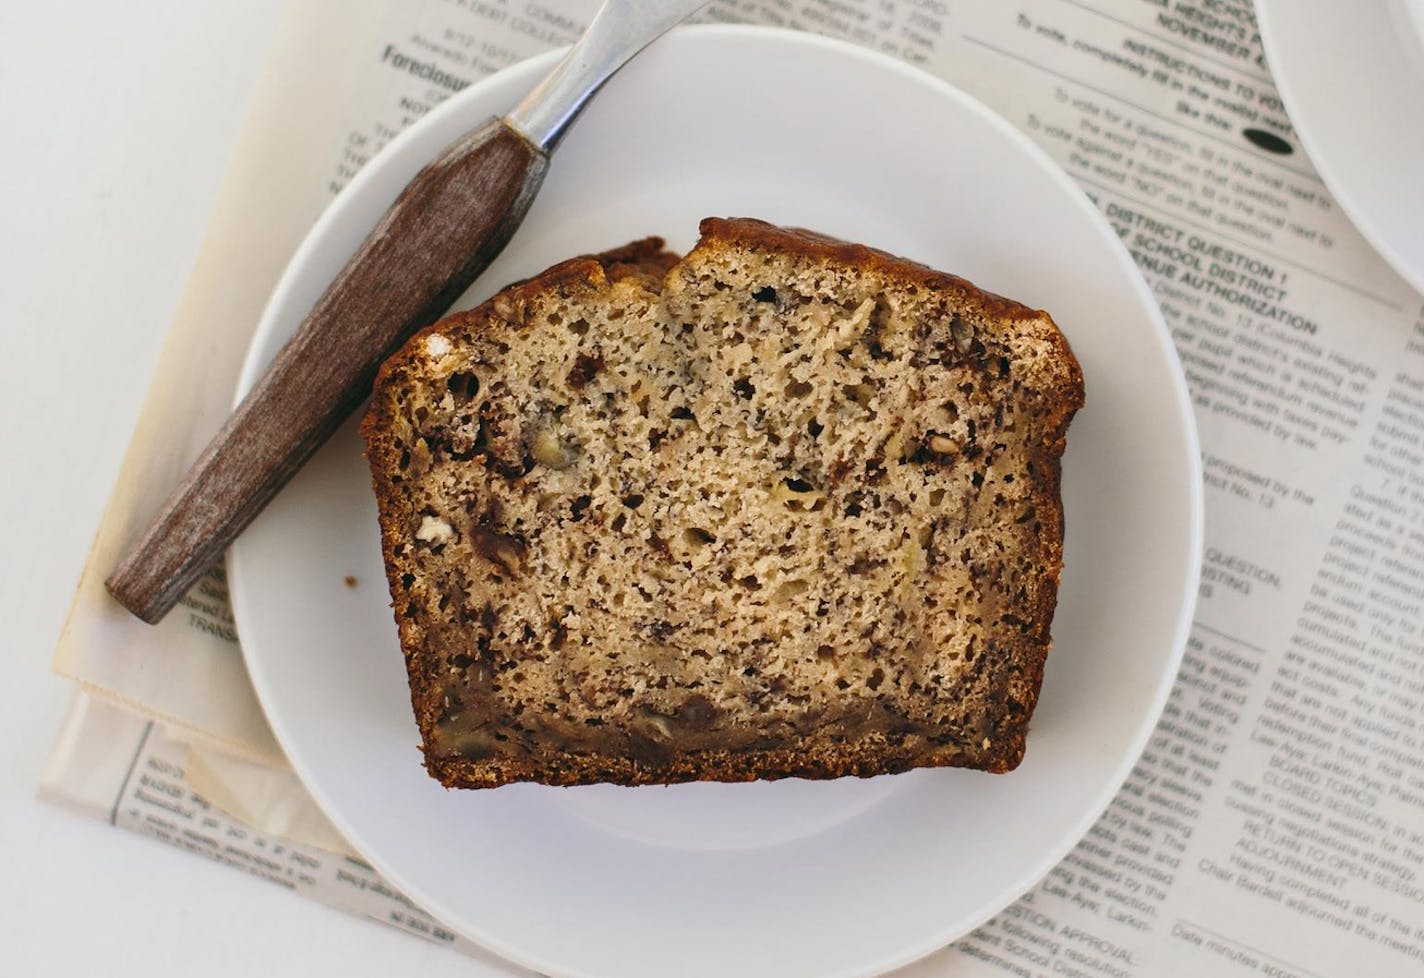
{"x":1275,"y":823}
{"x":125,"y":769}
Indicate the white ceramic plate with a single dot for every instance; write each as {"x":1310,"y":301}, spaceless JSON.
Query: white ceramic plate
{"x":1409,"y":21}
{"x":790,"y":878}
{"x":1352,"y":79}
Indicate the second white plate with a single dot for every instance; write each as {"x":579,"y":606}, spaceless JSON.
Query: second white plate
{"x":790,"y":878}
{"x":1351,"y":76}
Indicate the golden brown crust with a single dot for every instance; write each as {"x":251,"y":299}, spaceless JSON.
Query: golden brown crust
{"x":756,"y":233}
{"x":867,"y":758}
{"x":1017,"y":669}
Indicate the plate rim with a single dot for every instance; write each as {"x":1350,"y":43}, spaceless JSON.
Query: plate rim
{"x":256,"y":358}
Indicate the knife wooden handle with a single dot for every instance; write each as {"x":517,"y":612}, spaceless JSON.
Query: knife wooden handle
{"x":443,"y":230}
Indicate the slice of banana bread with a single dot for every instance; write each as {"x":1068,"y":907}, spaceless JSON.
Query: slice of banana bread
{"x":785,"y":507}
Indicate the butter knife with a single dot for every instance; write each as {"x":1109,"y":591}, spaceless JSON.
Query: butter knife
{"x":442,"y":231}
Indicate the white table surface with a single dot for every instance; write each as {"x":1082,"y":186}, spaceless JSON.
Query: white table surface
{"x":116,"y":122}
